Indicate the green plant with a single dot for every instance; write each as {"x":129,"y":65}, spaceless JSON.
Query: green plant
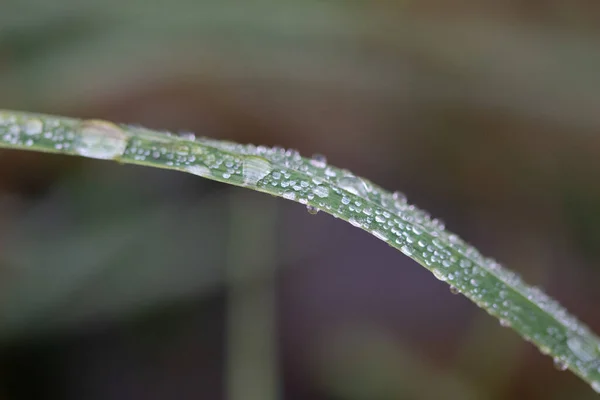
{"x":319,"y":186}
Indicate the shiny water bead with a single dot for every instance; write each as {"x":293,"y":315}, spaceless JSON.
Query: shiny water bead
{"x":354,"y":185}
{"x":584,"y":349}
{"x":199,"y":170}
{"x":560,"y":364}
{"x":254,"y":169}
{"x":188,"y":136}
{"x":379,"y":235}
{"x":33,"y":127}
{"x":100,"y":139}
{"x":355,"y":222}
{"x":399,"y":197}
{"x":289,"y":195}
{"x":321,"y":191}
{"x":505,"y":323}
{"x":312,"y":210}
{"x":318,"y":161}
{"x":407,"y":250}
{"x":439,"y":274}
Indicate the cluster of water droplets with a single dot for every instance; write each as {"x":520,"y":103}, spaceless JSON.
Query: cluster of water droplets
{"x":92,"y":139}
{"x":319,"y":186}
{"x":391,"y":218}
{"x":50,"y":134}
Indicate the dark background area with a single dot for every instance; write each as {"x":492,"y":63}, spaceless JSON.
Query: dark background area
{"x":121,"y":282}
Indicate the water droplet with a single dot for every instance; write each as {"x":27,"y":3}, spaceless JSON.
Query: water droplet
{"x":355,"y":222}
{"x":354,"y":185}
{"x":312,"y":210}
{"x":199,"y":170}
{"x":560,"y":364}
{"x":399,"y":197}
{"x":330,"y":173}
{"x":438,"y":224}
{"x":379,"y":235}
{"x":583,"y":349}
{"x":33,"y":127}
{"x":416,"y":230}
{"x":454,"y":290}
{"x":505,"y":323}
{"x":318,"y":161}
{"x":100,"y":139}
{"x":321,"y":191}
{"x":188,"y":136}
{"x":290,"y":195}
{"x":596,"y":386}
{"x":439,"y":274}
{"x":254,"y":169}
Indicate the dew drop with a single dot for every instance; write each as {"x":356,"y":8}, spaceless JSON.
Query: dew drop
{"x":399,"y":197}
{"x":355,"y":222}
{"x":330,"y":173}
{"x":454,"y":290}
{"x":290,"y":195}
{"x":188,"y":136}
{"x":312,"y":210}
{"x":354,"y":185}
{"x":505,"y":323}
{"x":439,"y":274}
{"x":596,"y":386}
{"x":100,"y":139}
{"x":318,"y":161}
{"x":254,"y":169}
{"x":560,"y":364}
{"x":584,"y":350}
{"x":199,"y":170}
{"x":33,"y":127}
{"x":379,"y":235}
{"x":321,"y":191}
{"x":438,"y":224}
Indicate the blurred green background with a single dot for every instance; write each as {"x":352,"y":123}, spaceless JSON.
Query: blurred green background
{"x":120,"y":282}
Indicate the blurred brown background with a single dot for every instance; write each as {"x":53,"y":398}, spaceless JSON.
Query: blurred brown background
{"x":121,"y":282}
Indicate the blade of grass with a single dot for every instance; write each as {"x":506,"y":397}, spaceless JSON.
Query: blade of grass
{"x":284,"y":173}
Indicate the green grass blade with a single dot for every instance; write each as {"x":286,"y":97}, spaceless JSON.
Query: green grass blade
{"x":284,"y":173}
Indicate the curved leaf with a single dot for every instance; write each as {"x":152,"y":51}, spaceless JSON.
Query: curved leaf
{"x":284,"y":173}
